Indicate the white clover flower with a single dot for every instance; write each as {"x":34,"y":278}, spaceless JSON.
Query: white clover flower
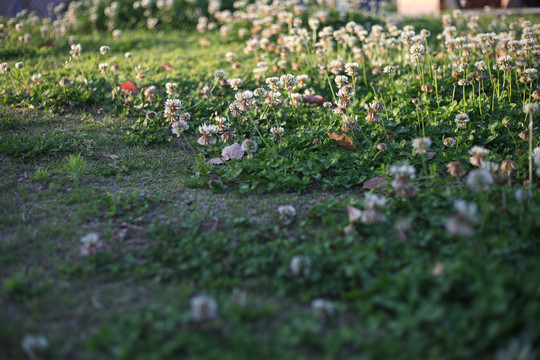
{"x":230,"y":56}
{"x":128,"y":55}
{"x":36,"y":78}
{"x":219,"y":74}
{"x":273,"y":83}
{"x":76,"y":50}
{"x":287,"y":213}
{"x":259,"y":92}
{"x":172,"y":108}
{"x":287,"y":82}
{"x":178,"y":127}
{"x":207,"y":131}
{"x":104,"y":49}
{"x":531,"y":73}
{"x":203,"y":308}
{"x":32,"y":344}
{"x":103,"y":67}
{"x":350,"y":68}
{"x":421,"y":145}
{"x":277,"y":133}
{"x":417,"y":49}
{"x":373,"y":204}
{"x":530,"y":108}
{"x":479,"y":180}
{"x":389,"y":69}
{"x":235,"y":83}
{"x":116,"y":34}
{"x":19,"y":65}
{"x":480,"y":65}
{"x":322,"y":308}
{"x":341,"y":80}
{"x":4,"y":68}
{"x":171,"y":88}
{"x":468,"y":210}
{"x":449,"y":142}
{"x":327,"y":104}
{"x":300,"y":265}
{"x":90,"y":244}
{"x":249,"y":147}
{"x":462,"y":120}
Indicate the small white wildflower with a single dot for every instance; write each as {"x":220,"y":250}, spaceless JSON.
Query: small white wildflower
{"x":219,"y":74}
{"x":90,"y":244}
{"x":322,"y":308}
{"x":203,"y":308}
{"x":479,"y":179}
{"x":128,"y":55}
{"x":104,"y":49}
{"x":300,"y":265}
{"x":249,"y":147}
{"x":103,"y":67}
{"x":421,"y":145}
{"x":33,"y":344}
{"x":287,"y":213}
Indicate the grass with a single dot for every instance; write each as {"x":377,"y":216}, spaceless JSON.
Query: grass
{"x":75,"y":164}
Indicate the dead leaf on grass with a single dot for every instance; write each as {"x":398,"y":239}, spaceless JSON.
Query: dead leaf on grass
{"x":313,"y":99}
{"x":344,"y":141}
{"x":167,"y":67}
{"x":374,"y":183}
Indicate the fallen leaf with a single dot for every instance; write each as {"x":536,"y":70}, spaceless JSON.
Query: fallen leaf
{"x":374,"y":183}
{"x":431,"y":155}
{"x":345,"y":141}
{"x":167,"y":67}
{"x":216,"y":161}
{"x":313,"y":99}
{"x":130,"y":87}
{"x":354,"y":213}
{"x":204,"y":42}
{"x":233,"y":151}
{"x":348,"y":229}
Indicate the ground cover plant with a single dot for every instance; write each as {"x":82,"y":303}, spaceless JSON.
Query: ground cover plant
{"x":268,"y":180}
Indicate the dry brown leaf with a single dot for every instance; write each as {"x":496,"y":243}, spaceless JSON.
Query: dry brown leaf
{"x":167,"y":67}
{"x":348,"y":229}
{"x":374,"y":183}
{"x":216,"y":161}
{"x":345,"y":141}
{"x":233,"y":151}
{"x":354,"y":213}
{"x":313,"y":99}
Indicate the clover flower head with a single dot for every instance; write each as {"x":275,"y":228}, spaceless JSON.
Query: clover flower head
{"x":287,"y":213}
{"x":178,"y":127}
{"x":277,"y":133}
{"x":421,"y":145}
{"x":219,"y":74}
{"x":104,"y":49}
{"x":479,"y":179}
{"x":300,"y":265}
{"x":90,"y":244}
{"x":103,"y":67}
{"x":341,"y":80}
{"x":530,"y":108}
{"x":235,"y":83}
{"x":461,"y":120}
{"x":250,"y":147}
{"x":287,"y":82}
{"x":4,"y":68}
{"x":322,"y":308}
{"x":203,"y":308}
